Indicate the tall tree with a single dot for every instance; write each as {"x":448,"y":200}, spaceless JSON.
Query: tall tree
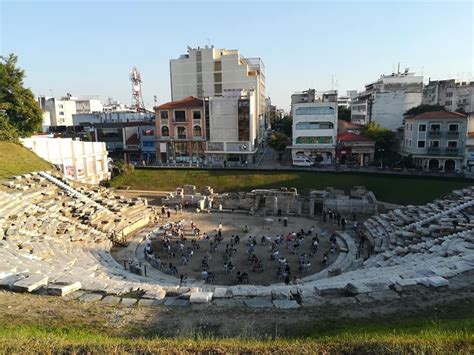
{"x":283,"y":125}
{"x":16,"y":101}
{"x":344,"y":113}
{"x":386,"y":142}
{"x":278,"y":141}
{"x":417,"y":110}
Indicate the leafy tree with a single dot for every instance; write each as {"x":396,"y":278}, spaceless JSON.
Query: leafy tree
{"x":386,"y":142}
{"x":278,"y":141}
{"x":22,"y":111}
{"x":283,"y":125}
{"x":424,"y":108}
{"x":7,"y":131}
{"x":344,"y":113}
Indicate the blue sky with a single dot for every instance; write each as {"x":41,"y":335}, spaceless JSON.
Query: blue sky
{"x":89,"y":47}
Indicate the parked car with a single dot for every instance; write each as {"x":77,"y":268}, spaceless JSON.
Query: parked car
{"x":302,"y":161}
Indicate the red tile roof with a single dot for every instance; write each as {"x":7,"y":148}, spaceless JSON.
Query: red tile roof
{"x":187,"y":102}
{"x":352,"y":137}
{"x":437,"y":115}
{"x":133,"y":140}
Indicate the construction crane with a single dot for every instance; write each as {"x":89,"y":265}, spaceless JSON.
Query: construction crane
{"x":137,"y":98}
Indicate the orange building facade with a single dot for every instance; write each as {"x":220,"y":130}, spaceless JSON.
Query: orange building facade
{"x":181,"y":131}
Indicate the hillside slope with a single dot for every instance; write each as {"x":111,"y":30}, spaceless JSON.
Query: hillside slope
{"x":16,"y":159}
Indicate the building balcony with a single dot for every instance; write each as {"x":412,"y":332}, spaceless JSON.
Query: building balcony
{"x":452,"y":151}
{"x":180,"y":121}
{"x":452,"y":134}
{"x":434,"y":134}
{"x":434,"y":150}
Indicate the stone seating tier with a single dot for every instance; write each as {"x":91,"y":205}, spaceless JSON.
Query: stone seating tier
{"x":42,"y":245}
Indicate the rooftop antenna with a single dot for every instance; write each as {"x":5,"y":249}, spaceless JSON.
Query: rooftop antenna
{"x":398,"y":69}
{"x":155,"y":99}
{"x":332,"y":82}
{"x":137,"y":98}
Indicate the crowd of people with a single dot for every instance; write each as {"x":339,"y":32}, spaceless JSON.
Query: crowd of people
{"x":179,"y":241}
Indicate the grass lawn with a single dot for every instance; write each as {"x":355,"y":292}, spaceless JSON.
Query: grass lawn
{"x":16,"y":159}
{"x":394,"y":189}
{"x":433,"y":337}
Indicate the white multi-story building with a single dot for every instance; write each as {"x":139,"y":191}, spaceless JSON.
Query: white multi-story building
{"x":209,"y":72}
{"x":314,"y":125}
{"x":345,"y":100}
{"x":387,"y":99}
{"x":88,"y":105}
{"x":85,"y":162}
{"x":233,"y":128}
{"x":454,"y":95}
{"x":60,"y":110}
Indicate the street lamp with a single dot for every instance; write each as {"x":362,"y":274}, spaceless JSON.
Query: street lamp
{"x":381,"y":150}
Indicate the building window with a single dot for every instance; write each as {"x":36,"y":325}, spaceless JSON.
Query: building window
{"x":435,"y":127}
{"x":217,"y":77}
{"x":180,"y":116}
{"x":61,"y":106}
{"x":217,"y":88}
{"x":453,"y":127}
{"x":434,"y":144}
{"x":165,"y":132}
{"x":452,"y":144}
{"x":314,"y":125}
{"x":320,"y":110}
{"x":217,"y":65}
{"x":181,"y":132}
{"x":196,"y":115}
{"x":421,"y":144}
{"x":164,"y":115}
{"x":449,"y":94}
{"x":197,"y":131}
{"x":61,"y":113}
{"x":409,"y":143}
{"x":406,"y":142}
{"x":448,"y":103}
{"x":422,"y":128}
{"x":411,"y":127}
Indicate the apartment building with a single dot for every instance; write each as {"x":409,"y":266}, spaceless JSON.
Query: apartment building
{"x":387,"y":99}
{"x":315,"y":125}
{"x":209,"y":72}
{"x":436,"y":140}
{"x":454,"y":95}
{"x":233,"y":128}
{"x":60,"y":110}
{"x":181,"y":131}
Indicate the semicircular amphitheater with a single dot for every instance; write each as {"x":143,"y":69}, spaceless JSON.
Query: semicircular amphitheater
{"x":91,"y":243}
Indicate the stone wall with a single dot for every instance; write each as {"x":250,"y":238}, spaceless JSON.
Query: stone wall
{"x":270,"y":201}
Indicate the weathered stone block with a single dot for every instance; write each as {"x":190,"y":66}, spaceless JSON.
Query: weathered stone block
{"x":31,"y":283}
{"x":63,"y":288}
